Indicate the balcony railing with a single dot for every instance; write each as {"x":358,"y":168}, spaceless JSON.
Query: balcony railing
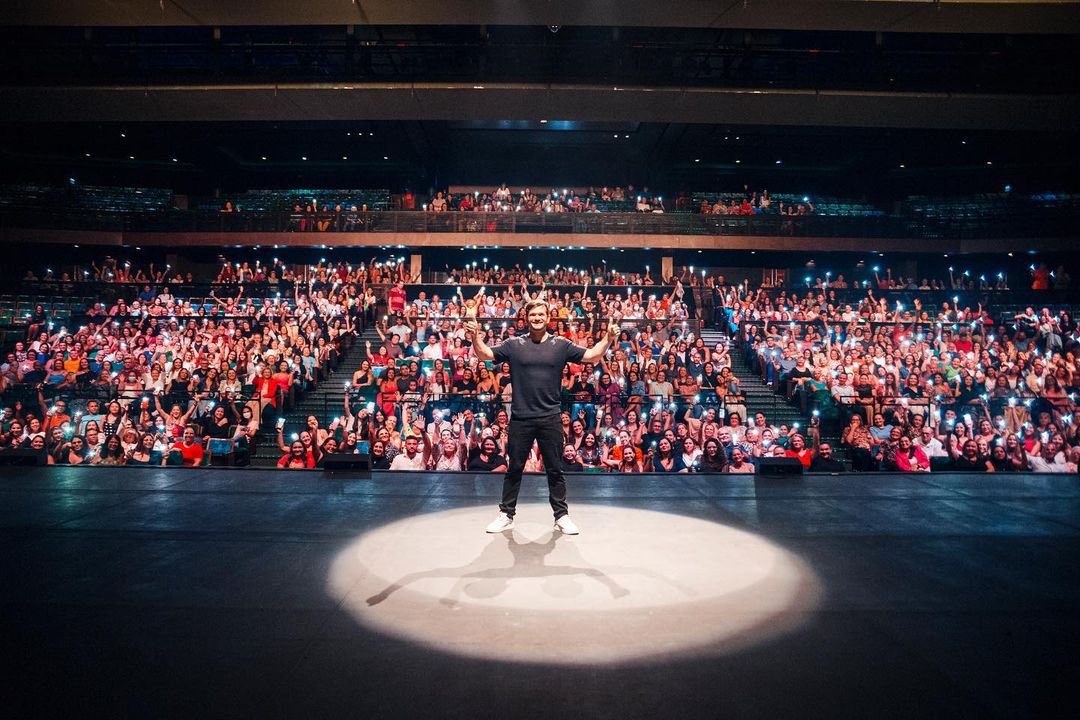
{"x":1048,"y":225}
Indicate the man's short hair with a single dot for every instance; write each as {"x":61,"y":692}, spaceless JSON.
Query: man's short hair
{"x":536,"y":303}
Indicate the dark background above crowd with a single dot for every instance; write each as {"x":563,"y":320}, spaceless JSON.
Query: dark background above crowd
{"x":221,"y":159}
{"x":497,"y":53}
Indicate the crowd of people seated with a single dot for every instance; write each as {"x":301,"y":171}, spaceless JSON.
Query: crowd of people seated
{"x":661,"y":401}
{"x":311,"y":216}
{"x":164,"y":380}
{"x":910,"y":386}
{"x":753,"y":203}
{"x":503,"y":199}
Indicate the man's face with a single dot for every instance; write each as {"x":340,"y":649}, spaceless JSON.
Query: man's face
{"x":410,"y":446}
{"x":569,"y":453}
{"x":538,"y":318}
{"x":825,"y":451}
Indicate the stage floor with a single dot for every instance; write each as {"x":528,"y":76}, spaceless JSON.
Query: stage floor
{"x":226,"y":593}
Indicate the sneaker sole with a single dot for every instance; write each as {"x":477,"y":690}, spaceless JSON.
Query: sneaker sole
{"x":496,"y":532}
{"x":567,"y":533}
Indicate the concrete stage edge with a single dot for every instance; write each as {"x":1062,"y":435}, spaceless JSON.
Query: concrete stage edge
{"x":225,"y":593}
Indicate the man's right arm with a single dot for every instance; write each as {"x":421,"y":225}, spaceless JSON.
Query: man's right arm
{"x":483,"y":352}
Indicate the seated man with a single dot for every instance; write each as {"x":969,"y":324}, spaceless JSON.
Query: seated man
{"x":824,"y":461}
{"x":190,"y":448}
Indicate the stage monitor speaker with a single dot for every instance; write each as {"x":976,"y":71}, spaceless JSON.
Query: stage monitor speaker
{"x":356,"y":464}
{"x":942,"y":463}
{"x":779,"y":467}
{"x":22,"y":457}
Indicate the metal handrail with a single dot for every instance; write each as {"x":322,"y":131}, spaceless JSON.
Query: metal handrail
{"x":676,"y":223}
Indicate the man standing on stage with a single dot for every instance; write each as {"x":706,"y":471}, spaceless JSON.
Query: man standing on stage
{"x":536,"y":363}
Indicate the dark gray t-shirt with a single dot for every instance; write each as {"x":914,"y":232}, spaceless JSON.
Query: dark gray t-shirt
{"x":536,"y":372}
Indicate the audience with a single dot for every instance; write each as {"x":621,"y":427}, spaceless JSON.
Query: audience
{"x":910,"y":387}
{"x":164,"y":380}
{"x":161,"y":377}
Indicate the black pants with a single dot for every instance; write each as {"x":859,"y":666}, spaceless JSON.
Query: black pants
{"x":547,"y":432}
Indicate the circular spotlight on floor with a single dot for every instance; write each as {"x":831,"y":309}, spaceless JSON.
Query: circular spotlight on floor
{"x":636,"y":585}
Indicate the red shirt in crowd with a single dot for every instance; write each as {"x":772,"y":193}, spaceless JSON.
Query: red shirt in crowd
{"x":805,"y":456}
{"x":193,"y":453}
{"x":396,"y":299}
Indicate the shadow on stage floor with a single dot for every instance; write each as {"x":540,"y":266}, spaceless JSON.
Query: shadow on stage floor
{"x":221,"y":593}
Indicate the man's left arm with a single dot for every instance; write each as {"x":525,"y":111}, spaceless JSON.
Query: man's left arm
{"x":597,"y":351}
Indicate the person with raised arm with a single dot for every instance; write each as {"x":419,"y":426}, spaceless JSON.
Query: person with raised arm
{"x":536,"y":362}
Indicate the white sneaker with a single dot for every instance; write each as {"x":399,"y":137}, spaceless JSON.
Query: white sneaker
{"x":566,"y":526}
{"x":501,"y":523}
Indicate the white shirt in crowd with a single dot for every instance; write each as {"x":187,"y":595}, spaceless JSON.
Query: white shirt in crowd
{"x":934,"y":448}
{"x":403,"y":462}
{"x":1056,"y":465}
{"x":433,"y":351}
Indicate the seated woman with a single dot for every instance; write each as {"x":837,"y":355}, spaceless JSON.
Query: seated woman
{"x":739,"y":462}
{"x":377,"y":456}
{"x":665,"y":459}
{"x":713,"y":458}
{"x":363,"y":377}
{"x":910,"y":457}
{"x":589,"y":453}
{"x":216,"y":424}
{"x":143,"y":451}
{"x":74,"y":452}
{"x":857,"y":437}
{"x":112,"y":452}
{"x":298,"y":458}
{"x":797,"y":449}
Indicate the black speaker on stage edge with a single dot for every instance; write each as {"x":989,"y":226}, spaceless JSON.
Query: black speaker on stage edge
{"x":356,"y":464}
{"x":779,"y":467}
{"x":23,"y":457}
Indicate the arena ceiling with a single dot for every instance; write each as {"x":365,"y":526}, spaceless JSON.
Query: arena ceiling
{"x":952,"y":16}
{"x":448,"y":83}
{"x":457,"y":101}
{"x":873,"y":63}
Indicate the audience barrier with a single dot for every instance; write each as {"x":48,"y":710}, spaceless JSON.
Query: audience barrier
{"x":675,"y":223}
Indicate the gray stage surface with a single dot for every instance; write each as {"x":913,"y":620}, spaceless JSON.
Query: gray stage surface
{"x":230,"y":593}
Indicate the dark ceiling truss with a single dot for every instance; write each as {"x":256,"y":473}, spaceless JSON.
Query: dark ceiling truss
{"x":719,"y":57}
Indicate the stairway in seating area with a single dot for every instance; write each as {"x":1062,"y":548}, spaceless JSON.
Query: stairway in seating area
{"x":326,"y":402}
{"x":760,"y":396}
